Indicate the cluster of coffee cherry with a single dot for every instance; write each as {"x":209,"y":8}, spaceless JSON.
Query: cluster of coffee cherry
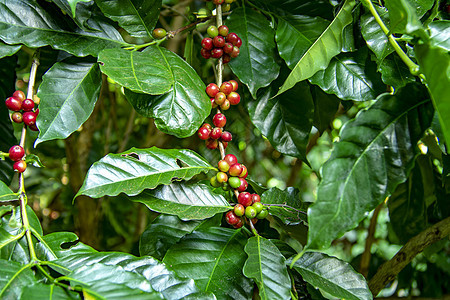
{"x":17,"y":154}
{"x":24,"y":110}
{"x":225,"y":96}
{"x":221,"y":43}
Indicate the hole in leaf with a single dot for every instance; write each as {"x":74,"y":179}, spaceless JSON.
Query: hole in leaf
{"x":181,"y":164}
{"x":133,"y":155}
{"x":68,"y":245}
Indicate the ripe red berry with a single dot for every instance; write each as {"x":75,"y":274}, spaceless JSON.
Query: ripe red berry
{"x":36,"y":111}
{"x":33,"y":127}
{"x":226,"y":58}
{"x":217,"y":52}
{"x":231,"y":159}
{"x":219,"y":41}
{"x":205,"y":53}
{"x":220,"y":98}
{"x":243,"y":186}
{"x":234,"y":98}
{"x":223,"y":30}
{"x":235,"y":170}
{"x":159,"y":33}
{"x":207,"y":43}
{"x":245,"y":199}
{"x":228,"y":48}
{"x":19,"y":95}
{"x":17,"y":117}
{"x":203,"y":133}
{"x":223,"y":165}
{"x":13,"y":104}
{"x":212,"y":89}
{"x":211,"y":144}
{"x":216,"y":133}
{"x":235,"y":84}
{"x":225,"y":145}
{"x":29,"y":118}
{"x":232,"y":38}
{"x":256,"y":198}
{"x":206,"y":125}
{"x":219,"y":120}
{"x":238,"y":42}
{"x":239,"y":210}
{"x":231,"y":218}
{"x":239,"y":224}
{"x":226,"y":137}
{"x":20,"y":166}
{"x":225,"y":105}
{"x":218,"y":2}
{"x":226,"y":88}
{"x":213,"y":103}
{"x":16,"y":153}
{"x":235,"y":52}
{"x":27,"y":105}
{"x":244,"y":172}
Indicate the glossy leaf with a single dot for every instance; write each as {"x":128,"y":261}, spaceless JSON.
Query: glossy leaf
{"x":285,"y":120}
{"x":350,"y":76}
{"x":28,"y":23}
{"x":323,"y":49}
{"x":6,"y":194}
{"x":287,"y":205}
{"x":435,"y":64}
{"x":8,"y":50}
{"x":6,"y":238}
{"x":146,"y":273}
{"x":332,"y":275}
{"x":180,"y":111}
{"x":404,"y":18}
{"x":375,"y":38}
{"x":132,"y":171}
{"x":66,"y":243}
{"x":440,"y":34}
{"x":322,"y":8}
{"x":394,"y":72}
{"x":137,"y":17}
{"x":187,"y":201}
{"x":15,"y":278}
{"x":296,"y":34}
{"x":79,"y":10}
{"x":381,"y":139}
{"x":167,"y":230}
{"x":325,"y":108}
{"x":256,"y":64}
{"x":266,"y":265}
{"x":69,"y":92}
{"x":214,"y":258}
{"x":74,"y":3}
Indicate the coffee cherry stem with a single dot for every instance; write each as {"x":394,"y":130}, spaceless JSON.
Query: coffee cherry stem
{"x":252,"y":227}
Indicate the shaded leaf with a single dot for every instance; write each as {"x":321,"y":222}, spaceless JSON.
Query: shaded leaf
{"x":381,"y":139}
{"x":187,"y":201}
{"x":73,"y":5}
{"x":180,"y":111}
{"x":332,"y":275}
{"x":435,"y":64}
{"x":440,"y":34}
{"x":323,"y":49}
{"x":404,"y":18}
{"x":15,"y":278}
{"x":285,"y":120}
{"x":322,"y":8}
{"x":69,"y":92}
{"x":296,"y":34}
{"x":287,"y":205}
{"x":47,"y":291}
{"x":266,"y":265}
{"x":79,"y":13}
{"x":167,"y":230}
{"x":132,"y":171}
{"x":137,"y":17}
{"x":24,"y":21}
{"x":256,"y":65}
{"x":325,"y":108}
{"x":350,"y":76}
{"x":33,"y":160}
{"x":213,"y":257}
{"x":6,"y":237}
{"x":394,"y":72}
{"x":8,"y":50}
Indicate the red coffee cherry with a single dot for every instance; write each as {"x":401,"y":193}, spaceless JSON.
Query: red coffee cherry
{"x":16,"y":153}
{"x":223,"y":30}
{"x":243,"y":186}
{"x":239,"y":224}
{"x":219,"y":41}
{"x":238,"y":42}
{"x":228,"y":48}
{"x":203,"y":133}
{"x":19,"y":95}
{"x":230,"y":159}
{"x":205,"y":53}
{"x":13,"y":104}
{"x":226,"y":58}
{"x":17,"y":117}
{"x":226,"y":88}
{"x":235,"y":84}
{"x":256,"y":198}
{"x":231,"y":218}
{"x":217,"y":53}
{"x":235,"y":52}
{"x":27,"y":105}
{"x":234,"y":98}
{"x":244,"y":172}
{"x":212,"y":89}
{"x":245,"y":199}
{"x":235,"y":170}
{"x":220,"y":98}
{"x":232,"y":38}
{"x":20,"y":166}
{"x":216,"y":133}
{"x":29,"y":118}
{"x":211,"y":143}
{"x":207,"y":43}
{"x":227,"y":137}
{"x":219,"y":120}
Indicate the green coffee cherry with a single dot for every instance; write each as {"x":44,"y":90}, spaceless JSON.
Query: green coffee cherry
{"x":250,"y":212}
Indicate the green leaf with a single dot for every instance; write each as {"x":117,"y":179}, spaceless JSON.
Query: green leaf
{"x":15,"y":279}
{"x":435,"y":64}
{"x":114,"y":267}
{"x":350,"y":76}
{"x":287,"y":205}
{"x":266,"y":265}
{"x":6,"y":237}
{"x":33,"y":160}
{"x":375,"y":153}
{"x":69,"y":92}
{"x":73,"y":5}
{"x":323,"y":49}
{"x":296,"y":34}
{"x":285,"y":120}
{"x":256,"y":65}
{"x":214,"y":258}
{"x":8,"y":50}
{"x":187,"y":201}
{"x":325,"y":108}
{"x":180,"y":111}
{"x":322,"y":8}
{"x":132,"y":171}
{"x":137,"y":17}
{"x":80,"y":14}
{"x":6,"y":194}
{"x":440,"y":34}
{"x":404,"y":18}
{"x":24,"y":21}
{"x":65,"y":244}
{"x":332,"y":275}
{"x":167,"y":230}
{"x":394,"y":72}
{"x":47,"y":291}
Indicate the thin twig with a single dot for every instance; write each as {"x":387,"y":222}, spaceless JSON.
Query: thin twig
{"x":365,"y":258}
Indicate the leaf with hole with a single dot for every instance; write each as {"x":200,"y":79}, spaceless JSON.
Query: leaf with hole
{"x":382,"y":139}
{"x":132,"y":171}
{"x":187,"y":201}
{"x":213,"y":257}
{"x":69,"y":92}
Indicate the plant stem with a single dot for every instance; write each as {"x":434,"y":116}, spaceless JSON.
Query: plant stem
{"x":413,"y":68}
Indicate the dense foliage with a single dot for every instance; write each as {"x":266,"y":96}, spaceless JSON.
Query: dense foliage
{"x":343,"y":116}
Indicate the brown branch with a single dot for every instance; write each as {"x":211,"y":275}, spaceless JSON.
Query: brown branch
{"x":413,"y":247}
{"x":366,"y":256}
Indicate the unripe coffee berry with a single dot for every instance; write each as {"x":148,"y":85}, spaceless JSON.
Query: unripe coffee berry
{"x":20,"y":166}
{"x":207,"y":43}
{"x":231,"y":218}
{"x":212,"y":89}
{"x":212,"y":31}
{"x":16,"y":153}
{"x":244,"y":172}
{"x":213,"y":181}
{"x":219,"y":120}
{"x":17,"y":117}
{"x":223,"y":30}
{"x":250,"y":212}
{"x":263,"y":214}
{"x":222,"y":177}
{"x":27,"y":105}
{"x":223,"y":166}
{"x":13,"y":104}
{"x":258,"y":206}
{"x":245,"y":199}
{"x":29,"y":118}
{"x":231,"y":159}
{"x":234,"y":182}
{"x":235,"y":84}
{"x":220,"y":98}
{"x":159,"y":33}
{"x":239,"y":210}
{"x":225,"y":105}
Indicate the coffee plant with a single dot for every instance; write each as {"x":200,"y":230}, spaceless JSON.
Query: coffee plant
{"x":239,"y":181}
